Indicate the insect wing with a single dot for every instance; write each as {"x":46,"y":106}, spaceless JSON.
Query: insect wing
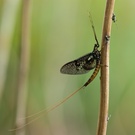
{"x":70,"y":68}
{"x":81,"y":65}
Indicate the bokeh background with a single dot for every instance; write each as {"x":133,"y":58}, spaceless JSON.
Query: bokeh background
{"x":60,"y":31}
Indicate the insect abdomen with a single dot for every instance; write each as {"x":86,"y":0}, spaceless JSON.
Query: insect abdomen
{"x":93,"y":75}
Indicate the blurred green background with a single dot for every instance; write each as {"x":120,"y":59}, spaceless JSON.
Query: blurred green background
{"x":61,"y":32}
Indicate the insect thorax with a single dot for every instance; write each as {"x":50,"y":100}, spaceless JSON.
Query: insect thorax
{"x":87,"y":62}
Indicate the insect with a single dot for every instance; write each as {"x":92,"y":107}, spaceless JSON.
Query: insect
{"x":78,"y":66}
{"x":85,"y":63}
{"x":114,"y":18}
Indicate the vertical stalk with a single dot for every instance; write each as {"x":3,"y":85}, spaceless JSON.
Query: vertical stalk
{"x":104,"y":96}
{"x":24,"y":67}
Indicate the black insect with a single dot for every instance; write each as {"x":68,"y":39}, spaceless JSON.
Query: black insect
{"x":85,"y":63}
{"x":114,"y":18}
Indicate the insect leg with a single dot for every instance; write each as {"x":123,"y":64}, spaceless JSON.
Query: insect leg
{"x":93,"y":28}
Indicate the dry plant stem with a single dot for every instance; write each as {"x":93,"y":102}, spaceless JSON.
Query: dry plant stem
{"x":104,"y":96}
{"x":24,"y":67}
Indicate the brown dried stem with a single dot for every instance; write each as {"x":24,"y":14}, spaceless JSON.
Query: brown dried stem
{"x":104,"y":96}
{"x":24,"y":67}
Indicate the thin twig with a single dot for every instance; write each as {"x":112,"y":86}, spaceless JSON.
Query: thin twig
{"x":104,"y":96}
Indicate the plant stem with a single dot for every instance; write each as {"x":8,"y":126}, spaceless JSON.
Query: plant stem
{"x":23,"y":67}
{"x":104,"y":96}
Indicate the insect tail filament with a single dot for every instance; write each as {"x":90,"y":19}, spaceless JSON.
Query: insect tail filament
{"x":44,"y":111}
